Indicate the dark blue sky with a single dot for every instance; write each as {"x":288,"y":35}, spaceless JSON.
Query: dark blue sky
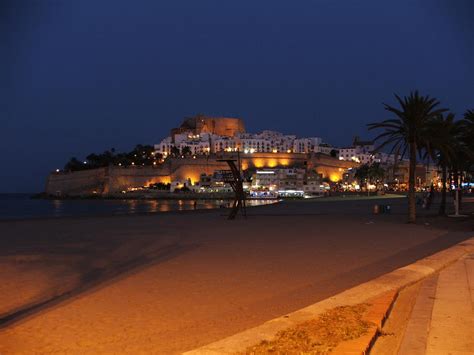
{"x":83,"y":76}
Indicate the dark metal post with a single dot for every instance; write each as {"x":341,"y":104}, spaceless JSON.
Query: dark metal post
{"x":235,"y":181}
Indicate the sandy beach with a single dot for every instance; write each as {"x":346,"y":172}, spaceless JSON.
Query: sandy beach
{"x":167,"y":283}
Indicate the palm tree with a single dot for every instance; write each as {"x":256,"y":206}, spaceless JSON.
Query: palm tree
{"x":408,"y":131}
{"x":376,"y":172}
{"x":174,"y":151}
{"x":465,"y":162}
{"x":467,"y":124}
{"x":370,"y":173}
{"x":443,"y":147}
{"x":186,"y":150}
{"x":469,"y":116}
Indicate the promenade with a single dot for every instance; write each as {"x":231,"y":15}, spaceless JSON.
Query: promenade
{"x":434,"y":316}
{"x":172,"y":282}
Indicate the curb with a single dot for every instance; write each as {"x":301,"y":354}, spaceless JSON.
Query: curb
{"x":377,"y":313}
{"x":381,"y":291}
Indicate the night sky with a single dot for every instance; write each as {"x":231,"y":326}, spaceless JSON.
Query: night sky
{"x":84,"y":76}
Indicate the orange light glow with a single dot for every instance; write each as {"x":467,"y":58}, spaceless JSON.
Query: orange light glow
{"x":284,"y":162}
{"x":271,"y":163}
{"x":158,"y":179}
{"x":258,"y":162}
{"x":334,"y":177}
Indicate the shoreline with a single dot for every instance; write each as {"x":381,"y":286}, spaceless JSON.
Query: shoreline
{"x":143,"y":196}
{"x":200,"y":196}
{"x":112,"y":214}
{"x":186,"y":208}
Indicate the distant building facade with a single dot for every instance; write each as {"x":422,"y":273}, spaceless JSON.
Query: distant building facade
{"x":363,"y":152}
{"x":279,"y":179}
{"x":205,"y":135}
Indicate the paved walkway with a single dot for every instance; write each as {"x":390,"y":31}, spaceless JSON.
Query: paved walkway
{"x":442,"y":320}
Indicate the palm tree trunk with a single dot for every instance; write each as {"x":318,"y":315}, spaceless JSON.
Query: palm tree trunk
{"x":411,"y":184}
{"x":442,"y":206}
{"x":456,"y":186}
{"x":460,"y":189}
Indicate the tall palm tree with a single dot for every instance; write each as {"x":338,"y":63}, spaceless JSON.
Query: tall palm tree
{"x":408,"y":132}
{"x":466,"y":154}
{"x":469,"y":116}
{"x":467,"y":124}
{"x":443,"y":147}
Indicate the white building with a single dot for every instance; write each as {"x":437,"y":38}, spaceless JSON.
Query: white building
{"x":306,"y":145}
{"x":313,"y":187}
{"x":164,"y":147}
{"x":385,"y":159}
{"x":265,"y":141}
{"x":324,"y":148}
{"x":211,"y":183}
{"x":364,"y":153}
{"x":197,"y":144}
{"x":361,"y":152}
{"x":225,"y":144}
{"x":279,"y":179}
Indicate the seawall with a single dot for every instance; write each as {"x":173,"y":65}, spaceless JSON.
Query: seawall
{"x":84,"y":182}
{"x":115,"y":179}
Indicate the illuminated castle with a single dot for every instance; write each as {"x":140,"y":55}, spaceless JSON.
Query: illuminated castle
{"x":220,"y":126}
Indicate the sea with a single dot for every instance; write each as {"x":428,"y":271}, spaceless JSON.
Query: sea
{"x":22,"y":206}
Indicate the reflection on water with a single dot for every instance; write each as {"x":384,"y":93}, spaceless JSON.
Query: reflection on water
{"x":58,"y":208}
{"x":153,"y":206}
{"x":22,"y":206}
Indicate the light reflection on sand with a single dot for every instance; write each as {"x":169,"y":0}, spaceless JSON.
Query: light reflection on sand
{"x":154,"y":206}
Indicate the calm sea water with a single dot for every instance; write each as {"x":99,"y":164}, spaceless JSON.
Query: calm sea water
{"x":20,"y":206}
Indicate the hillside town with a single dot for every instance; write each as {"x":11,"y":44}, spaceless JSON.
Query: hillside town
{"x":204,"y":136}
{"x":272,"y":164}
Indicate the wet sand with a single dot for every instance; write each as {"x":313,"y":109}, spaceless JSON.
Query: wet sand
{"x":171,"y":282}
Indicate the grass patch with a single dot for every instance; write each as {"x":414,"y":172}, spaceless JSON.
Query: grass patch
{"x":317,"y":336}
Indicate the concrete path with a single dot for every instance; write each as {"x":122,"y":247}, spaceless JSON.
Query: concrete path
{"x":442,"y":321}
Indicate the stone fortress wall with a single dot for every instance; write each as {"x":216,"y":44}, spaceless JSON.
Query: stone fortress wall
{"x":114,"y":179}
{"x":329,"y":167}
{"x":76,"y":183}
{"x":120,"y":179}
{"x":222,"y":126}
